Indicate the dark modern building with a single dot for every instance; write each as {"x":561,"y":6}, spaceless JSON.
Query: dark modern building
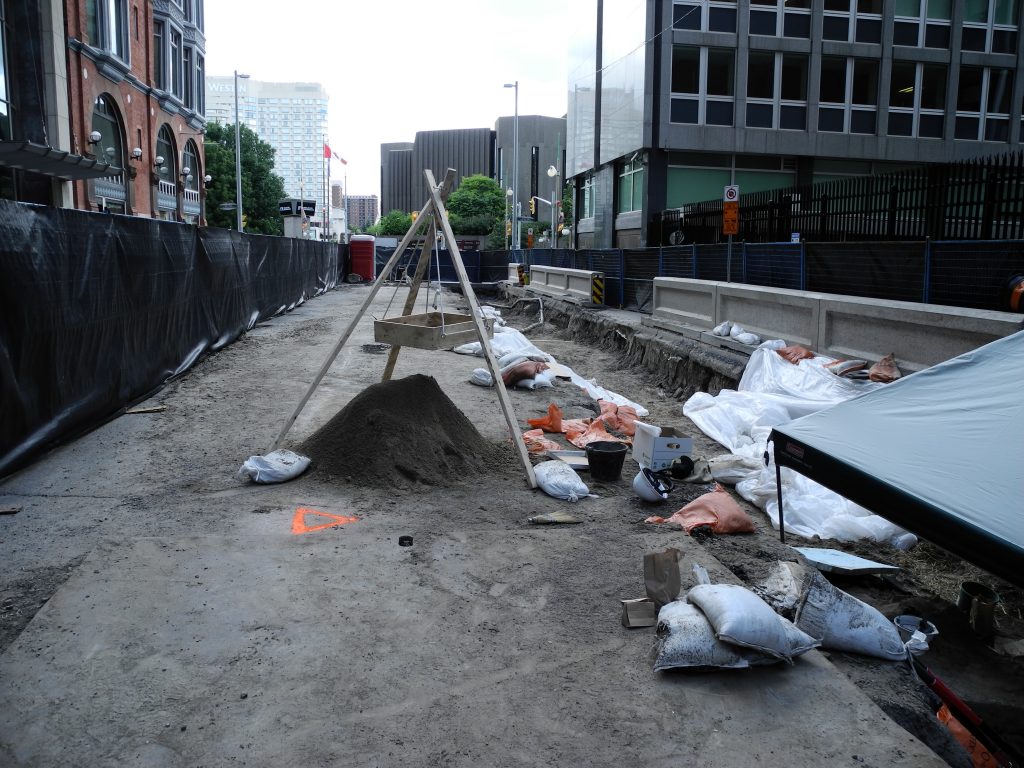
{"x":669,"y":102}
{"x":476,"y":151}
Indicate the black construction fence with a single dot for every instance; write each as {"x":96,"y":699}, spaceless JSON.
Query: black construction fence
{"x":980,"y":199}
{"x":963,"y":273}
{"x":99,"y":311}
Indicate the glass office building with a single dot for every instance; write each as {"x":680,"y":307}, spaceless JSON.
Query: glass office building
{"x":671,"y":101}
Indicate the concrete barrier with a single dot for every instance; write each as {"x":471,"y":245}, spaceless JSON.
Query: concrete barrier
{"x":578,"y":284}
{"x":920,"y":335}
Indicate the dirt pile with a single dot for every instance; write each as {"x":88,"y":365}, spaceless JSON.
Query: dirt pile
{"x":400,"y":433}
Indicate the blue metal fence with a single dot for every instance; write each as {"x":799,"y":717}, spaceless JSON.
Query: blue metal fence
{"x":970,"y":274}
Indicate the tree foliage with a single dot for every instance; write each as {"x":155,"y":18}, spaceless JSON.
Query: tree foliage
{"x":394,"y":223}
{"x":262,"y":189}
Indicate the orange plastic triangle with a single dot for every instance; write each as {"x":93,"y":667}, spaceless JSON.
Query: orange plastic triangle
{"x":299,"y":521}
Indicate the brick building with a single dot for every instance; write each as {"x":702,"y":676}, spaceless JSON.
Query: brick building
{"x":136,"y":72}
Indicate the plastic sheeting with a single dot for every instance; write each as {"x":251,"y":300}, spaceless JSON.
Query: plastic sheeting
{"x":97,"y":311}
{"x":939,"y":452}
{"x":774,"y":391}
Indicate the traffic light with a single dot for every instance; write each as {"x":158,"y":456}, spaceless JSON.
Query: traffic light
{"x":533,"y":206}
{"x":245,"y":221}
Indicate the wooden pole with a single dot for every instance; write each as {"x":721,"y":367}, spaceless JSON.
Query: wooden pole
{"x":481,"y":329}
{"x":449,"y":181}
{"x":414,"y":288}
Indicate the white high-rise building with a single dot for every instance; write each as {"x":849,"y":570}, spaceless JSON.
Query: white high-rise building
{"x":291,"y":117}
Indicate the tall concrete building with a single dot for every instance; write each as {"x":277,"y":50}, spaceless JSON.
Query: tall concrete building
{"x":670,"y":101}
{"x":476,"y":151}
{"x":291,"y":117}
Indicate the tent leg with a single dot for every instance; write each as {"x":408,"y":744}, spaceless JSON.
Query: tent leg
{"x":778,"y":490}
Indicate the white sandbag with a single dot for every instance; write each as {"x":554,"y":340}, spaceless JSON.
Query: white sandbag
{"x":742,"y":618}
{"x":750,"y":339}
{"x":558,"y":479}
{"x":276,"y":467}
{"x":544,"y":380}
{"x":525,"y":384}
{"x":728,"y":469}
{"x":686,"y":640}
{"x":481,"y":377}
{"x":722,"y":329}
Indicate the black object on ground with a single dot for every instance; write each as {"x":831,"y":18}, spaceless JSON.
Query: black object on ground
{"x":606,"y":458}
{"x":405,"y":541}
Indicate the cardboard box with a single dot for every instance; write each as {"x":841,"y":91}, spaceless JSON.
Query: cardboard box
{"x":638,"y":613}
{"x":657,"y":447}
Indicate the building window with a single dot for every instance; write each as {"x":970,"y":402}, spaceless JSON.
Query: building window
{"x":780,"y":18}
{"x":587,"y":202}
{"x":6,"y":133}
{"x":189,"y":78}
{"x":200,"y":20}
{"x":848,"y":96}
{"x":702,"y":85}
{"x":168,"y":170}
{"x":159,"y":68}
{"x":107,"y":26}
{"x":853,"y":21}
{"x":917,"y":100}
{"x":705,"y":16}
{"x":111,"y":192}
{"x":631,"y":186}
{"x":983,"y":104}
{"x":930,"y":29}
{"x":777,"y":90}
{"x":990,"y":26}
{"x":174,"y":62}
{"x":190,"y":160}
{"x":534,"y":171}
{"x":200,"y":84}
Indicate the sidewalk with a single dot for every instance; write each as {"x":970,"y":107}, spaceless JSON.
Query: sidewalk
{"x":200,"y":630}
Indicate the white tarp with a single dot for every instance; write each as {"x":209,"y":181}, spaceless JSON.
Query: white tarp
{"x":774,"y":391}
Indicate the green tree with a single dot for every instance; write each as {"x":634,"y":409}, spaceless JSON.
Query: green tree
{"x":475,"y":205}
{"x":395,"y":223}
{"x":262,"y":189}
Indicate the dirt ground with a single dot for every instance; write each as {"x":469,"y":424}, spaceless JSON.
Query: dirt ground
{"x":190,"y":485}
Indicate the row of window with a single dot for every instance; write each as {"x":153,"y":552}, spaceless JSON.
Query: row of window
{"x":988,"y":25}
{"x":777,"y":83}
{"x":178,"y":68}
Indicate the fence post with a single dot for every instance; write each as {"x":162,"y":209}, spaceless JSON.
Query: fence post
{"x":803,"y":265}
{"x":661,"y":261}
{"x":743,"y":261}
{"x":927,"y":288}
{"x":622,"y":278}
{"x":693,"y":261}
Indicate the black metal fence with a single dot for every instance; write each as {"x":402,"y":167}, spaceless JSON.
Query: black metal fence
{"x":973,"y":274}
{"x":980,"y":199}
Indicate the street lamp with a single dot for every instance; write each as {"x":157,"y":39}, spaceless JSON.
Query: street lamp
{"x":238,"y":159}
{"x":515,"y":168}
{"x":555,"y":200}
{"x":508,"y":221}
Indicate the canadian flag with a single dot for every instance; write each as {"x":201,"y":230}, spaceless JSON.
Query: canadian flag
{"x":328,"y":154}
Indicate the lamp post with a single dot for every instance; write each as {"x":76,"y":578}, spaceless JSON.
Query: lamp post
{"x":238,"y":159}
{"x":555,"y":201}
{"x":515,"y":168}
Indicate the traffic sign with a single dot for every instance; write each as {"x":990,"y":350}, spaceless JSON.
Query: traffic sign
{"x":226,"y":207}
{"x":732,"y":193}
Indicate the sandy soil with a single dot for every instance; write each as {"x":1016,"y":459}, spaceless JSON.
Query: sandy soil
{"x":192,"y":463}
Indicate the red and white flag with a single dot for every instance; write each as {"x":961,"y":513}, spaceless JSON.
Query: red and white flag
{"x":328,"y":154}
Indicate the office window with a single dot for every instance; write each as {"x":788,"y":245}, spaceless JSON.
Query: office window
{"x":781,"y":18}
{"x":188,"y":78}
{"x":703,"y":80}
{"x":631,"y":186}
{"x":854,"y":21}
{"x":848,"y":95}
{"x":705,"y":16}
{"x":174,"y":62}
{"x":200,"y":85}
{"x":990,"y":26}
{"x":920,"y":23}
{"x":587,"y":198}
{"x":983,"y":104}
{"x":776,"y":90}
{"x":917,"y":100}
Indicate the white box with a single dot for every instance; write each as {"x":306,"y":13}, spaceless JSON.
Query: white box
{"x":657,"y":447}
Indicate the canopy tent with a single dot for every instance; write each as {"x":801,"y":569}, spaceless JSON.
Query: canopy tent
{"x":940,"y":452}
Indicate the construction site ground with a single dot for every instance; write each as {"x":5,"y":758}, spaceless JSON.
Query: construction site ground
{"x":155,"y":610}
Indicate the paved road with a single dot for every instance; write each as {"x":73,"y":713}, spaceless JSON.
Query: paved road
{"x":196,"y":629}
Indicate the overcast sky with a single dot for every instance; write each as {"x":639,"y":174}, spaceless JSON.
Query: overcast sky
{"x":395,"y":67}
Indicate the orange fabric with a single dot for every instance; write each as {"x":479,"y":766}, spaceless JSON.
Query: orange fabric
{"x":980,"y":756}
{"x":594,"y":432}
{"x":716,"y":510}
{"x":537,"y":443}
{"x":627,"y":420}
{"x":795,"y":353}
{"x":550,"y":423}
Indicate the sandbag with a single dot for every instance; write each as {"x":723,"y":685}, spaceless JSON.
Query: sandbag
{"x":558,"y":479}
{"x":885,"y":370}
{"x":795,"y":353}
{"x":716,"y":510}
{"x":481,"y":377}
{"x":525,"y":370}
{"x":742,"y":618}
{"x":686,"y":640}
{"x":276,"y":467}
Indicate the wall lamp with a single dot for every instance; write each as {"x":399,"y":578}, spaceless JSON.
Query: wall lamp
{"x":137,"y":154}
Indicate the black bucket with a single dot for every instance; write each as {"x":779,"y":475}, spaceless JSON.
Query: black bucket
{"x":606,"y":459}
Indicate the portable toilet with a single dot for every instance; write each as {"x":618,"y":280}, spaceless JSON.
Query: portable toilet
{"x":362,"y":256}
